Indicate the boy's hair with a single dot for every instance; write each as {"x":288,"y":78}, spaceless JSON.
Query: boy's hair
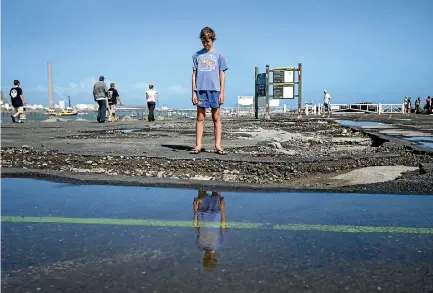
{"x":150,"y":86}
{"x":112,"y":84}
{"x":209,"y":259}
{"x":16,"y":82}
{"x":207,"y":34}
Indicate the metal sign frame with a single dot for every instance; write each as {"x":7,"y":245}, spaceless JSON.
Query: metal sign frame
{"x":279,"y":85}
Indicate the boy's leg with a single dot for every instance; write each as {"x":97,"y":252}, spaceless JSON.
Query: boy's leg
{"x":14,"y":116}
{"x":216,"y":117}
{"x":199,"y":125}
{"x":110,"y":113}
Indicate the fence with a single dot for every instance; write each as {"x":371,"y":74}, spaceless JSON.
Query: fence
{"x":317,"y":109}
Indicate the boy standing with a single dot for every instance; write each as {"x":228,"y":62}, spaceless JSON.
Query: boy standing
{"x":208,"y":85}
{"x":17,"y":101}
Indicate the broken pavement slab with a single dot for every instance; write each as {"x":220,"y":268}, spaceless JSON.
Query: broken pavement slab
{"x":373,"y":174}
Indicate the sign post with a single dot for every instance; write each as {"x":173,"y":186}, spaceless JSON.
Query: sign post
{"x":260,"y":89}
{"x":256,"y":93}
{"x":283,"y":83}
{"x":245,"y":101}
{"x":299,"y":89}
{"x":267,"y":114}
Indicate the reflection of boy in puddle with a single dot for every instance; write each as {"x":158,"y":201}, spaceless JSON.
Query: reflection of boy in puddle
{"x":209,"y":224}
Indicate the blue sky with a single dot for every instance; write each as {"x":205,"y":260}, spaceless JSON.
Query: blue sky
{"x":359,"y":50}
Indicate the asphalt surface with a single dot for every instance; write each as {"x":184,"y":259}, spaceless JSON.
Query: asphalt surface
{"x":281,"y":154}
{"x":59,"y":237}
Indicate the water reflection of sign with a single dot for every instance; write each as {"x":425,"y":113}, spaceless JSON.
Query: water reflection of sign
{"x":261,"y":84}
{"x":245,"y":100}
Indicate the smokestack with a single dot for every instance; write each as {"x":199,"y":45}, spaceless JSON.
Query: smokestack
{"x":50,"y":85}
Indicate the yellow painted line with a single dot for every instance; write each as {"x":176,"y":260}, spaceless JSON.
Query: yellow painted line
{"x":236,"y":225}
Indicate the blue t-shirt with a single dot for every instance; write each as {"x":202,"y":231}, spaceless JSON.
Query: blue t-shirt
{"x":15,"y":94}
{"x":208,"y":65}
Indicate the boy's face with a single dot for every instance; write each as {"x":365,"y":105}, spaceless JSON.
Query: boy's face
{"x":207,"y":44}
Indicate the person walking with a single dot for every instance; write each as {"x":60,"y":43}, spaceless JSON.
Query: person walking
{"x":326,"y":103}
{"x":418,"y":105}
{"x":113,"y":97}
{"x":100,"y":93}
{"x":151,"y":96}
{"x":17,"y":101}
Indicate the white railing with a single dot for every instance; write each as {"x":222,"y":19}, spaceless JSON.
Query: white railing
{"x":391,"y":108}
{"x":317,"y":109}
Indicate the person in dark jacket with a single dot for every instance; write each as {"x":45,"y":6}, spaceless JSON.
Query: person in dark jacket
{"x":113,"y":97}
{"x":17,"y":101}
{"x":100,"y":93}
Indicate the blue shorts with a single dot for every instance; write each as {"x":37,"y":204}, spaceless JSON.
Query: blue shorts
{"x":209,"y":99}
{"x":209,"y":204}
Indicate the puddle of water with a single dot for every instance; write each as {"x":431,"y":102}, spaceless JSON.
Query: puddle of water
{"x":364,"y":124}
{"x":151,"y":239}
{"x":420,"y":138}
{"x":426,"y":144}
{"x":129,"y":130}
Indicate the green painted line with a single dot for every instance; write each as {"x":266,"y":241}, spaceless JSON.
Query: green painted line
{"x":126,"y":222}
{"x":235,"y":225}
{"x":355,"y":229}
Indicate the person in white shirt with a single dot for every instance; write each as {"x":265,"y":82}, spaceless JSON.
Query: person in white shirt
{"x":326,"y":103}
{"x":151,"y":96}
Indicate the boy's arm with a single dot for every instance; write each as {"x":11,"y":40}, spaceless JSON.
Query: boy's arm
{"x":222,"y":69}
{"x":223,"y":214}
{"x":21,"y":96}
{"x":222,"y":86}
{"x":193,"y":94}
{"x":195,"y":208}
{"x":193,"y":79}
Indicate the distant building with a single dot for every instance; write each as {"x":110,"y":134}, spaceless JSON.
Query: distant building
{"x":62,"y":104}
{"x":86,"y":106}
